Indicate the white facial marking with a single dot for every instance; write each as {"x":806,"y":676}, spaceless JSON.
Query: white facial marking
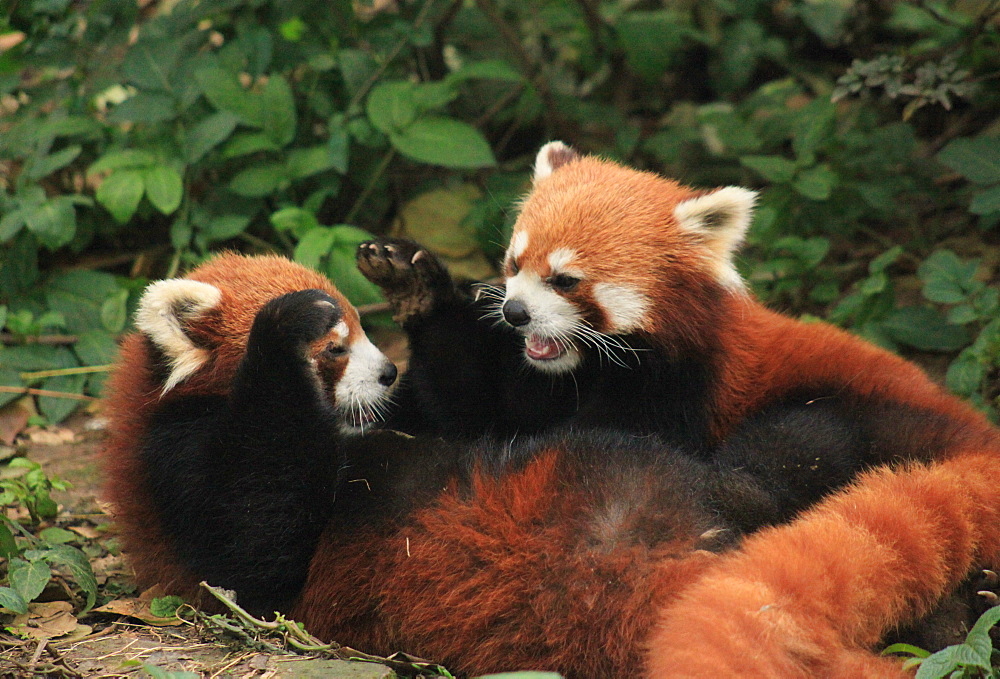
{"x":543,"y":161}
{"x":721,"y":218}
{"x":552,"y":317}
{"x":164,"y":308}
{"x":625,"y":307}
{"x":341,"y":330}
{"x":518,"y":244}
{"x":559,"y":261}
{"x":359,"y":395}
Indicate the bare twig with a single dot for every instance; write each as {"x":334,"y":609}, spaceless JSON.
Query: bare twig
{"x":60,"y":372}
{"x":45,"y":392}
{"x":11,"y":338}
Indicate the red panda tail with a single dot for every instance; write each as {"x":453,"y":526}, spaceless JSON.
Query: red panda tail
{"x":808,"y":598}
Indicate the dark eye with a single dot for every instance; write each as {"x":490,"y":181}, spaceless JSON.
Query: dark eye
{"x":564,"y":282}
{"x":334,"y":351}
{"x":514,"y":268}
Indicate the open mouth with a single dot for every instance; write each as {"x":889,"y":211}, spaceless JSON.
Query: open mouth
{"x":543,"y":348}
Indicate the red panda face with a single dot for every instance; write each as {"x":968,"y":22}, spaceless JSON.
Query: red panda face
{"x":600,"y":252}
{"x":200,"y":326}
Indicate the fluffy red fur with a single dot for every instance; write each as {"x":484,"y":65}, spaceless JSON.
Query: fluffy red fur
{"x":810,"y":598}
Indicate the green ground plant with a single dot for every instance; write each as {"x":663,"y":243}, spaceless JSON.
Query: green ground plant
{"x":975,"y":658}
{"x":136,"y":140}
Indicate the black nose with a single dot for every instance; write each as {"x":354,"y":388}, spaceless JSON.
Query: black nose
{"x":515,"y":313}
{"x":388,"y":374}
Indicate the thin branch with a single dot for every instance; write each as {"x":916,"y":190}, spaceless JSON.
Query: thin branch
{"x":11,"y":338}
{"x":45,"y":392}
{"x":61,"y":372}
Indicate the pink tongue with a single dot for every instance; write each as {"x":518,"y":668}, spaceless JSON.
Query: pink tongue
{"x":540,"y":348}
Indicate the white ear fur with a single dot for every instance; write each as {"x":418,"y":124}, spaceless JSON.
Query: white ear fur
{"x":552,"y":156}
{"x":721,"y":218}
{"x":163,"y":310}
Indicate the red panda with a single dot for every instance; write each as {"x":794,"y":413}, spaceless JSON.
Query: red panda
{"x":233,"y":456}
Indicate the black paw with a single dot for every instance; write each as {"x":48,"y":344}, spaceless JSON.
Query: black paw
{"x":411,"y":278}
{"x":297,"y":318}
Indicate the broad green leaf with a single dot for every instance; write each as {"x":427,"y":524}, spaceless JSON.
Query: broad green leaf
{"x":114,"y":311}
{"x":342,"y":268}
{"x":294,"y":219}
{"x":259,"y":180}
{"x":391,"y":106}
{"x":338,"y":145}
{"x":884,"y":260}
{"x":144,"y":107}
{"x":207,"y":134}
{"x":314,"y":246}
{"x":356,"y":67}
{"x":53,"y":222}
{"x":773,"y":168}
{"x":53,"y":162}
{"x":57,"y":409}
{"x":79,"y":568}
{"x":962,"y":314}
{"x":13,"y":601}
{"x":120,"y":193}
{"x":814,"y":126}
{"x":926,"y":329}
{"x":915,"y":651}
{"x":8,"y":546}
{"x":444,"y":141}
{"x":11,"y":224}
{"x":277,"y":111}
{"x":96,"y":347}
{"x":305,"y":162}
{"x":164,"y":188}
{"x":947,"y":278}
{"x":487,"y":69}
{"x":9,"y":378}
{"x":816,"y":183}
{"x":977,"y":159}
{"x":986,"y":202}
{"x":149,"y":62}
{"x":225,"y":93}
{"x":57,"y":536}
{"x":165,"y":606}
{"x":114,"y":160}
{"x":28,"y":578}
{"x":224,"y":227}
{"x":79,"y":297}
{"x":246,"y":143}
{"x":433,"y":96}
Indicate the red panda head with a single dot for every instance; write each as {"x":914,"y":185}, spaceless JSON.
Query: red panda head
{"x":199,"y":326}
{"x":600,"y":251}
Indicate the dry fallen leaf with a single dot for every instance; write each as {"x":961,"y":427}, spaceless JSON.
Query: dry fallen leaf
{"x":46,"y":620}
{"x":53,"y":436}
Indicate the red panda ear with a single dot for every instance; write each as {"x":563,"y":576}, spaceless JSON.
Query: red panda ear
{"x":721,"y":220}
{"x":165,"y":309}
{"x":553,"y":155}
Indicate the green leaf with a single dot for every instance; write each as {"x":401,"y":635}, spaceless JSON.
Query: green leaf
{"x":444,"y":141}
{"x":391,"y":106}
{"x":224,"y":227}
{"x":120,"y":193}
{"x":53,"y":222}
{"x":149,"y":62}
{"x":165,"y":606}
{"x":251,"y":142}
{"x":79,"y":567}
{"x":8,"y":546}
{"x":114,"y":311}
{"x":207,"y":134}
{"x":815,"y":124}
{"x":986,"y":202}
{"x":79,"y":296}
{"x":144,"y":107}
{"x":339,"y":144}
{"x":342,"y":267}
{"x":58,"y":409}
{"x":277,"y":113}
{"x":294,"y":219}
{"x":773,"y":168}
{"x":915,"y":651}
{"x":164,"y":188}
{"x":28,"y":578}
{"x":114,"y":160}
{"x":652,"y":39}
{"x":977,"y":159}
{"x":11,"y":224}
{"x":314,"y":246}
{"x":926,"y":329}
{"x":224,"y":92}
{"x":53,"y":162}
{"x":13,"y":601}
{"x":884,"y":260}
{"x":308,"y":161}
{"x":962,"y":314}
{"x":57,"y":536}
{"x":816,"y":183}
{"x":259,"y":180}
{"x":947,"y":278}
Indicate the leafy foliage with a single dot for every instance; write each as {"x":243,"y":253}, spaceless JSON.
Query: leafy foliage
{"x":975,"y":657}
{"x":135,"y":141}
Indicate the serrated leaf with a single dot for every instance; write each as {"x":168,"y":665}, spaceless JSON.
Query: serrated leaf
{"x":977,"y":159}
{"x":164,"y":188}
{"x":120,"y":193}
{"x":773,"y":168}
{"x":278,"y":111}
{"x":28,"y":578}
{"x":13,"y":601}
{"x":937,"y":665}
{"x":79,"y":568}
{"x":444,"y":141}
{"x":207,"y":134}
